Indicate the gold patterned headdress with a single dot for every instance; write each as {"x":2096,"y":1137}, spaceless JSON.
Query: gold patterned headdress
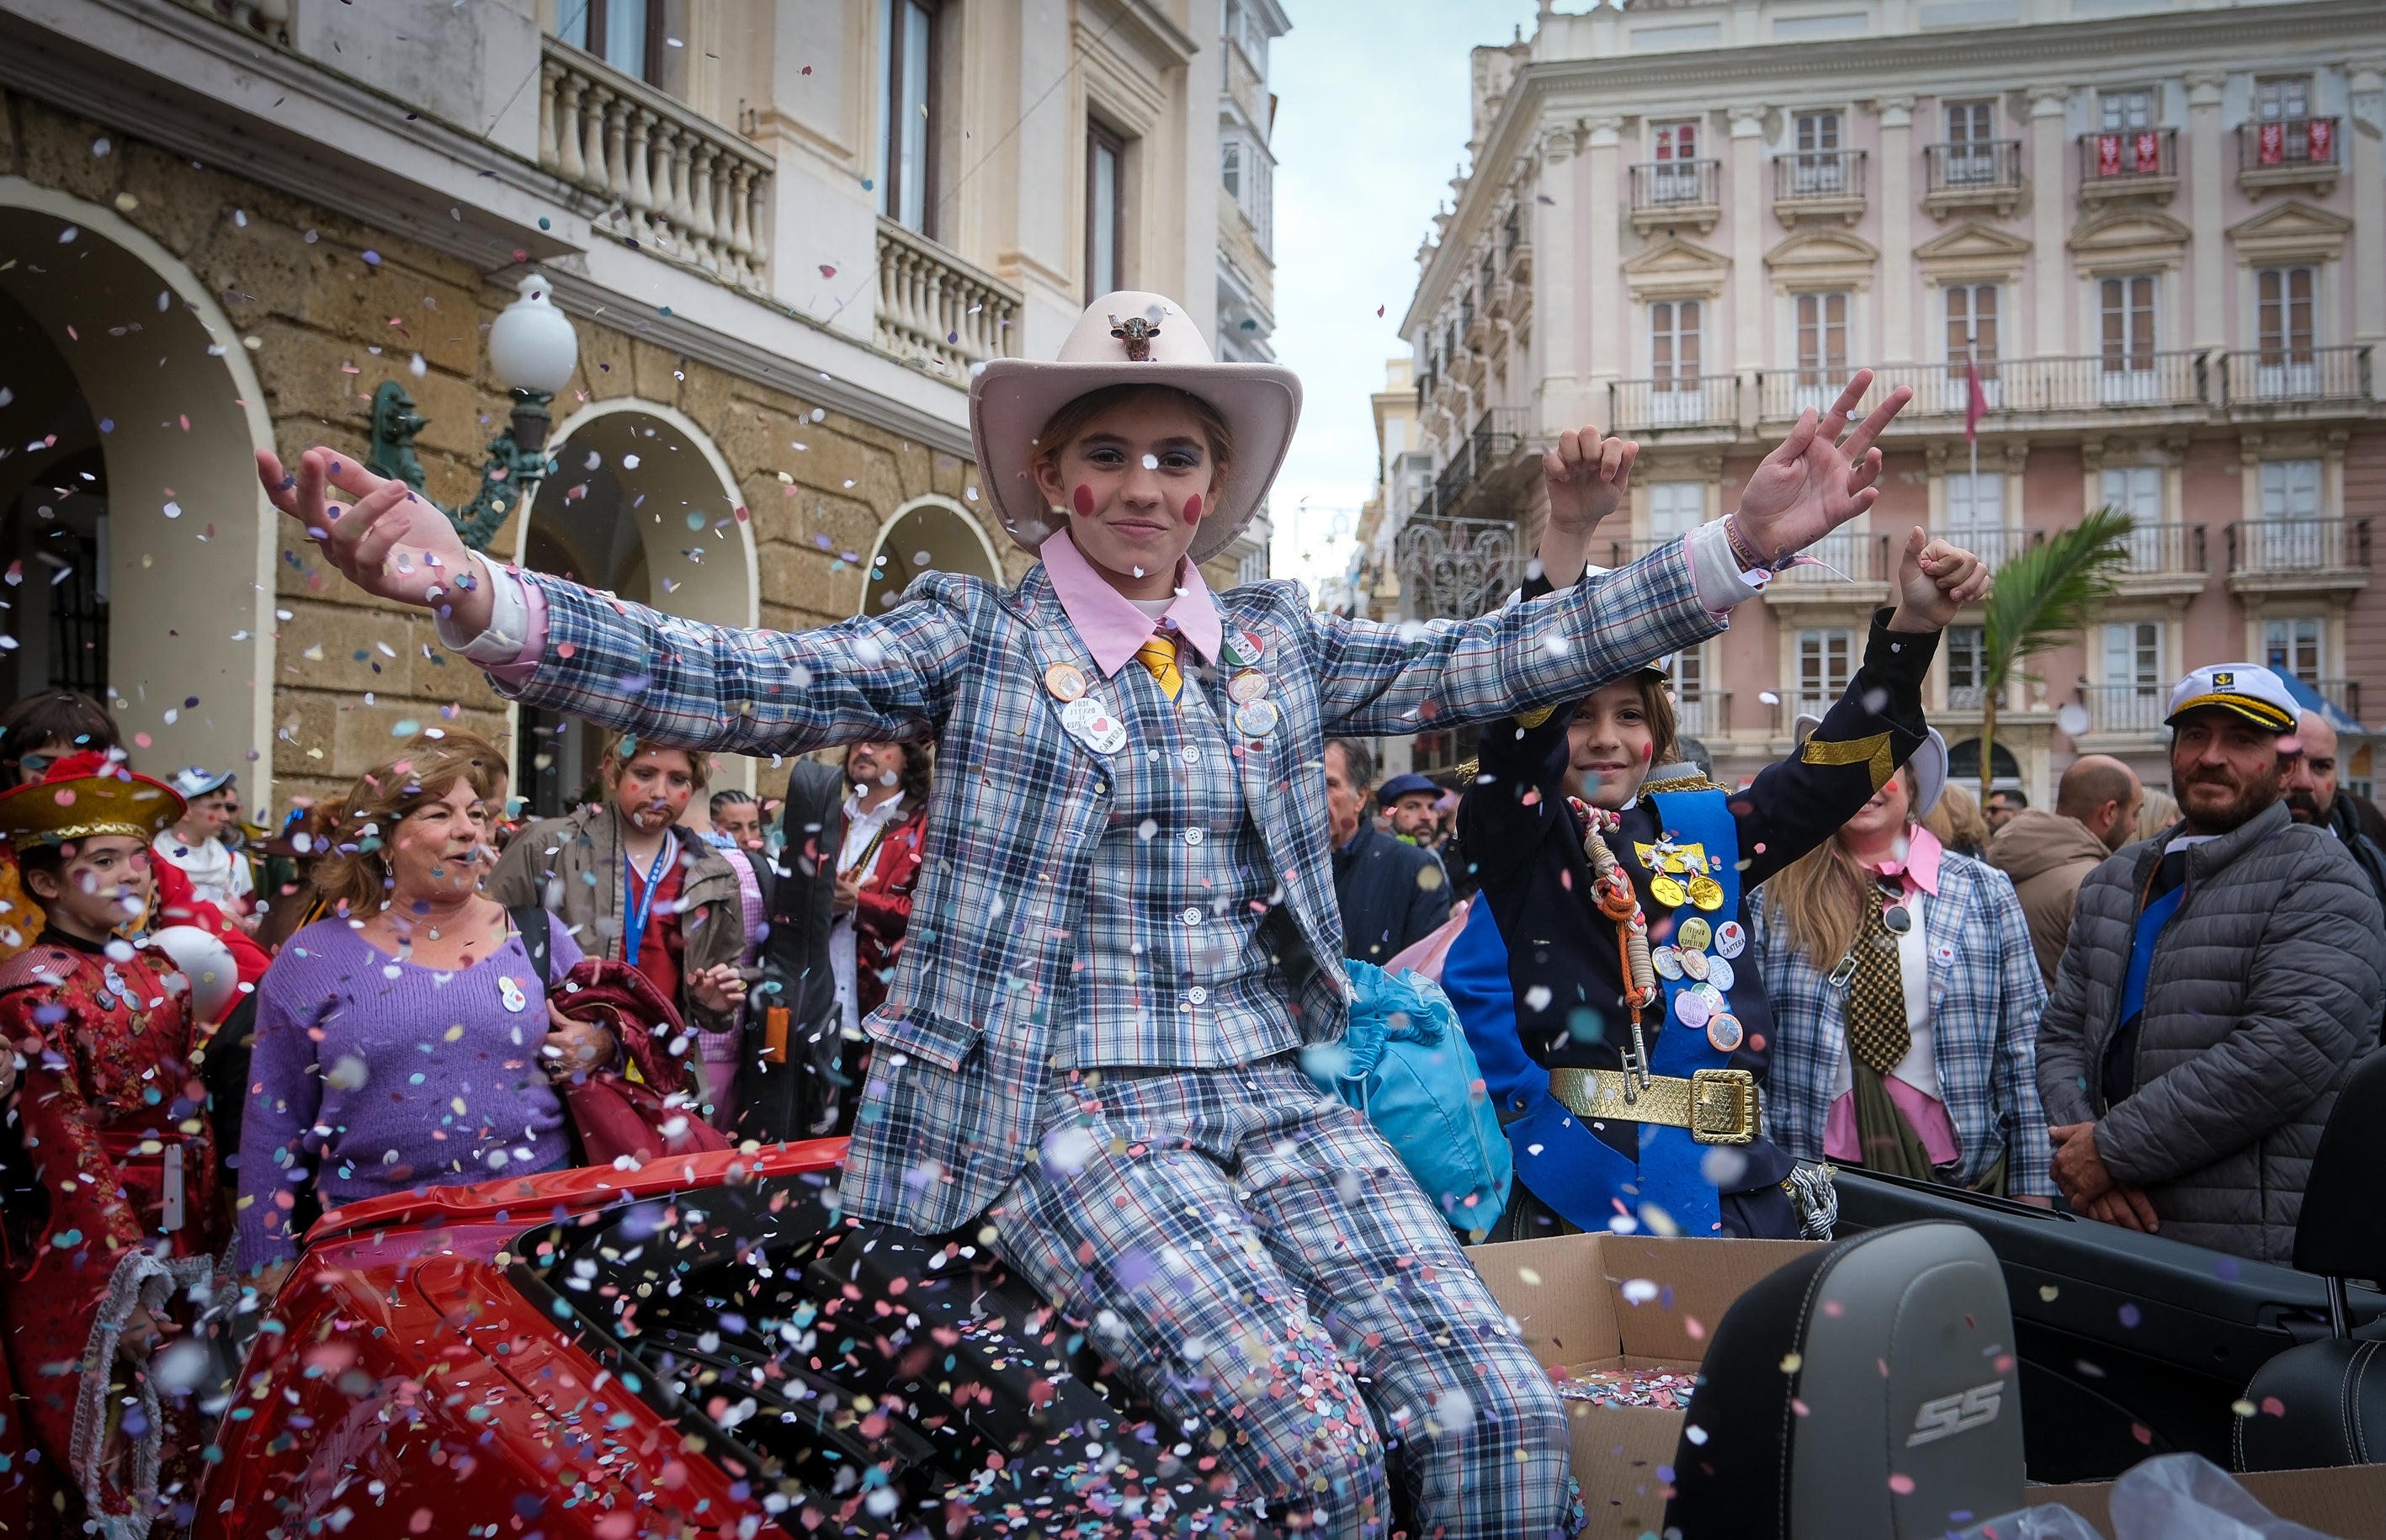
{"x":84,"y":796}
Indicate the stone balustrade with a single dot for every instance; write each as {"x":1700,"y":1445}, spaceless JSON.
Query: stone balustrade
{"x":937,"y":311}
{"x":680,"y":185}
{"x":269,"y":19}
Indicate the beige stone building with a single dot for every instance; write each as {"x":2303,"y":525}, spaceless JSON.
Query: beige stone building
{"x":2155,"y":230}
{"x":784,"y":236}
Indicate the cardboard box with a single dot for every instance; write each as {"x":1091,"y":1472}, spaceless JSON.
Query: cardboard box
{"x":1570,"y":1295}
{"x":2349,"y":1503}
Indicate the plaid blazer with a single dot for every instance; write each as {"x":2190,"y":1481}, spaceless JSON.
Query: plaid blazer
{"x":1986,"y":999}
{"x":965,"y":1036}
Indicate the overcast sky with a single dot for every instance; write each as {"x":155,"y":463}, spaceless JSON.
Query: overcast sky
{"x":1370,"y":127}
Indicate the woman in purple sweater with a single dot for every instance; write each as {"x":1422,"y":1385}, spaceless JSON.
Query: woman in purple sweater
{"x":407,"y":1041}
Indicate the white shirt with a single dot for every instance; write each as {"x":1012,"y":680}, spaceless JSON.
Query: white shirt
{"x":857,"y":859}
{"x":216,"y":876}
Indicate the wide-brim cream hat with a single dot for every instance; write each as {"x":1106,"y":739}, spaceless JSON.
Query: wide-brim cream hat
{"x":1130,"y":338}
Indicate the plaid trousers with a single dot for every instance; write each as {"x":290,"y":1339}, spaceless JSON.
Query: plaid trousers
{"x":1260,"y":1264}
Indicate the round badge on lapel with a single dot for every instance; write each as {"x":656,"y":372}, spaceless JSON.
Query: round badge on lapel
{"x":1256,"y":719}
{"x":1248,"y":642}
{"x":1667,"y":961}
{"x":1694,"y":964}
{"x":1248,"y":686}
{"x":1692,"y":1008}
{"x":1724,"y":1033}
{"x":1731,"y":938}
{"x":1696,"y":933}
{"x":1065,"y":681}
{"x":1667,"y":890}
{"x":1706,"y":892}
{"x":1721,"y":974}
{"x":511,"y":995}
{"x":1091,"y":725}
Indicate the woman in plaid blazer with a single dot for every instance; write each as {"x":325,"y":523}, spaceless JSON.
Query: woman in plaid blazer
{"x":1125,"y":928}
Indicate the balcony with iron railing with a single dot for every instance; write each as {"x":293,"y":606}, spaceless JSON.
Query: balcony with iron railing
{"x":1828,"y":184}
{"x":1788,"y":709}
{"x":1488,"y":453}
{"x":2301,"y":381}
{"x":1994,"y":544}
{"x":2162,"y":385}
{"x":1680,"y":402}
{"x":938,"y":311}
{"x":1980,"y":173}
{"x":1623,"y":553}
{"x":2287,"y":152}
{"x":659,"y":174}
{"x":2298,"y":554}
{"x":2134,"y":710}
{"x":1704,"y":714}
{"x":1843,"y":568}
{"x":2128,"y":163}
{"x":2161,"y":559}
{"x":1674,"y":194}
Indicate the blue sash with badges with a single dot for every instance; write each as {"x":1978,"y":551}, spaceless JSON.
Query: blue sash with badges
{"x":1671,"y":1177}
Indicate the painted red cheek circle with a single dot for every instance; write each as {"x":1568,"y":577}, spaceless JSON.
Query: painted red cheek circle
{"x":1193,"y":508}
{"x":1085,"y":501}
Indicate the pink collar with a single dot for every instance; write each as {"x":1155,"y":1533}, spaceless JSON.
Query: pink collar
{"x":1921,"y":863}
{"x":1109,"y":621}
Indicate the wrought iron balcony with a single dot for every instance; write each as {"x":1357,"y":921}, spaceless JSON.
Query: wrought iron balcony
{"x":1981,"y":173}
{"x":2299,"y":377}
{"x":1653,"y":406}
{"x":1841,"y":568}
{"x":2159,"y":552}
{"x":2302,"y":550}
{"x":1455,"y":569}
{"x":668,"y":179}
{"x":2288,"y":152}
{"x":1499,"y":437}
{"x":1705,"y":714}
{"x":2129,"y":162}
{"x":2033,"y":387}
{"x":2118,"y":708}
{"x":937,"y":311}
{"x":1994,"y":544}
{"x":1666,"y":195}
{"x":1829,"y":183}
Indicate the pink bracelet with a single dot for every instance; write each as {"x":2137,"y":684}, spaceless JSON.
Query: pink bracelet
{"x":1748,"y":559}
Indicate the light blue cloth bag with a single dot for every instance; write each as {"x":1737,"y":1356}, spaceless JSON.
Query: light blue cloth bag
{"x":1405,"y":1066}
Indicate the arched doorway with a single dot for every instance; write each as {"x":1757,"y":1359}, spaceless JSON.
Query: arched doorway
{"x":1963,"y":765}
{"x":925,"y":534}
{"x":138,"y":548}
{"x":641,"y":505}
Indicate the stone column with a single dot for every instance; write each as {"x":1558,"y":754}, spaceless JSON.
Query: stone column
{"x":2208,"y":328}
{"x":2365,"y":147}
{"x":1748,"y":298}
{"x":1556,"y":265}
{"x":2051,"y":207}
{"x":1606,"y":308}
{"x":1897,"y":229}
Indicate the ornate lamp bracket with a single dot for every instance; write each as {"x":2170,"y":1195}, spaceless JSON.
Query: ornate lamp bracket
{"x":518,"y":459}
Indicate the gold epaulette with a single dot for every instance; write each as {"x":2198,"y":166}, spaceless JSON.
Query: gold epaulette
{"x":1680,"y":783}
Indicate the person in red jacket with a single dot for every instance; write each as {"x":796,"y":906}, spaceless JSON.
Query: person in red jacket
{"x":878,"y":866}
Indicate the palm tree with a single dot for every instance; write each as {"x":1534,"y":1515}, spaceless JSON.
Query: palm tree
{"x":2043,"y":596}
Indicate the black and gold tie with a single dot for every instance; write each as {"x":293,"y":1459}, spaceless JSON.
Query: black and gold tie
{"x":1877,"y":1033}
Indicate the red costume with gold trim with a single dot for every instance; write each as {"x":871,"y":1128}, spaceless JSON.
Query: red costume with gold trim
{"x":112,"y":1203}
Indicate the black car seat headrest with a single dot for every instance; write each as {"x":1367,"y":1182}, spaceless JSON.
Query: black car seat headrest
{"x":1867,"y":1389}
{"x":2338,"y":1235}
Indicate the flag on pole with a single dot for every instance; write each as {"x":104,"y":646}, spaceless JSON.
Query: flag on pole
{"x":1976,"y":402}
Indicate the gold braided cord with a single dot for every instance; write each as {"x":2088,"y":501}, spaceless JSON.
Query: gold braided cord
{"x":93,"y":831}
{"x":1680,"y":783}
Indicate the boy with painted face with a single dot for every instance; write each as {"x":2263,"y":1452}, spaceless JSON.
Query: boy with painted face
{"x":1605,"y":980}
{"x":112,"y":1123}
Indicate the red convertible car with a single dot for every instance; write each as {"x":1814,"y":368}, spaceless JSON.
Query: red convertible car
{"x":698,"y":1348}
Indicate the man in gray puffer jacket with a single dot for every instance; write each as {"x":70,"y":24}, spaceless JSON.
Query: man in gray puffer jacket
{"x":2220,"y":982}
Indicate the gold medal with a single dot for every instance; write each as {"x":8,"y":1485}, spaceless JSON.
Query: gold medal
{"x":1706,"y":892}
{"x":1668,"y":891}
{"x":1696,"y":933}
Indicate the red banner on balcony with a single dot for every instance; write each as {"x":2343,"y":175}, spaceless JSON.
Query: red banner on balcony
{"x":2108,"y":155}
{"x":2149,"y":147}
{"x":2274,"y":144}
{"x":2322,"y":132}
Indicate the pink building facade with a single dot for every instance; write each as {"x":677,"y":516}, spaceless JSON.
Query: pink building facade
{"x":2154,"y":234}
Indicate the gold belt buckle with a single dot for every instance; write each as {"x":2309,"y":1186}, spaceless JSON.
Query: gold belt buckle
{"x":1723,"y":1107}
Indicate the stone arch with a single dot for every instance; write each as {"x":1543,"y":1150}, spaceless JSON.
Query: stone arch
{"x":155,"y":413}
{"x":946,"y":534}
{"x":637,"y":487}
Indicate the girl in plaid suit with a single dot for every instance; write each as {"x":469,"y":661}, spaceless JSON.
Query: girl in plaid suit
{"x":1125,"y":930}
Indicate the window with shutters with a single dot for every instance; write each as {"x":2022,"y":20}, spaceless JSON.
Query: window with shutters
{"x":1826,"y":663}
{"x":2136,"y":694}
{"x":2137,"y":491}
{"x":2292,"y":645}
{"x":1972,"y":311}
{"x":1676,"y":509}
{"x":2126,"y":311}
{"x":1105,"y":211}
{"x":627,"y":35}
{"x":908,"y":113}
{"x":1817,"y":168}
{"x":2282,"y":98}
{"x":1967,"y":674}
{"x":1673,"y":353}
{"x":1822,"y":345}
{"x":2284,"y":323}
{"x":1971,"y":156}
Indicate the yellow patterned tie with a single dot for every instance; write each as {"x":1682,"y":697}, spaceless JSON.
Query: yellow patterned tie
{"x":1159,"y":655}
